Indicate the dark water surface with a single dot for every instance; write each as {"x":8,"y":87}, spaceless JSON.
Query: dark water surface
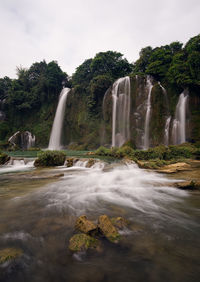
{"x":38,"y":212}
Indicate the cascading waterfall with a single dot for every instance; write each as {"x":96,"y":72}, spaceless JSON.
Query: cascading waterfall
{"x":55,"y":138}
{"x":121,"y":111}
{"x":147,"y":118}
{"x":168,"y":117}
{"x":166,"y":136}
{"x":179,"y":123}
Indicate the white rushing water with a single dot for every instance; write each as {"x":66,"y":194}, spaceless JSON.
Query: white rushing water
{"x":16,"y":165}
{"x":121,"y":111}
{"x":166,"y":136}
{"x":124,"y":185}
{"x":149,"y":86}
{"x":56,"y":132}
{"x":179,"y":123}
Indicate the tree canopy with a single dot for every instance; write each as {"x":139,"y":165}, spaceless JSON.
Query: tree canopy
{"x":173,"y":63}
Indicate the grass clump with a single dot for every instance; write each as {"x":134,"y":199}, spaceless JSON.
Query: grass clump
{"x":50,"y":158}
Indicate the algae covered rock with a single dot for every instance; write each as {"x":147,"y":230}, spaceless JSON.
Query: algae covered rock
{"x":108,"y":229}
{"x":50,"y":158}
{"x":9,"y":254}
{"x":84,"y":225}
{"x":83,"y":242}
{"x":119,"y":222}
{"x":173,"y":168}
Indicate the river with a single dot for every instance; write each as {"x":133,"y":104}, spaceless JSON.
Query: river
{"x":38,"y":209}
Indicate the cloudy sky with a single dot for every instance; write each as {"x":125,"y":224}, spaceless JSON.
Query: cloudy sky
{"x":72,"y":31}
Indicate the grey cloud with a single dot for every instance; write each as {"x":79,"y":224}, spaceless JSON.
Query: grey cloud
{"x":72,"y":31}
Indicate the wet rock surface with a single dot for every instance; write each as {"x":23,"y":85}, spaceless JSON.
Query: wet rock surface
{"x":173,"y":168}
{"x":84,"y":225}
{"x":188,"y":185}
{"x":83,"y":242}
{"x":108,"y":229}
{"x":9,"y":254}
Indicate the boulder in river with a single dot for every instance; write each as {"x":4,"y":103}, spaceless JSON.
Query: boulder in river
{"x":83,"y":242}
{"x":84,"y":225}
{"x":172,"y":168}
{"x":119,"y":222}
{"x":188,"y":185}
{"x":9,"y":254}
{"x":108,"y":229}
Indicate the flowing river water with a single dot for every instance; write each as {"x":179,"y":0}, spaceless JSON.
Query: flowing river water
{"x":38,"y":209}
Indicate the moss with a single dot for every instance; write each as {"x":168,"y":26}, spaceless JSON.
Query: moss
{"x":50,"y":158}
{"x":83,"y":242}
{"x":9,"y":254}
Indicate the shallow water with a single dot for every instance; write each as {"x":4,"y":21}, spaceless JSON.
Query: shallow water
{"x":38,"y":212}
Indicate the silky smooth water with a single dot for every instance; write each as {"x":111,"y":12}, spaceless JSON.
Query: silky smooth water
{"x":38,"y":216}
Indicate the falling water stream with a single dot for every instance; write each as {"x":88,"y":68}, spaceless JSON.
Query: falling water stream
{"x":179,"y":123}
{"x":121,"y":111}
{"x":147,"y":117}
{"x":56,"y":132}
{"x":38,"y":212}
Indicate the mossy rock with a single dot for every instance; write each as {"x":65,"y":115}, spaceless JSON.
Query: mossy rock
{"x":4,"y":158}
{"x":119,"y":222}
{"x":108,"y":229}
{"x":84,"y":225}
{"x":188,"y":185}
{"x":83,"y":242}
{"x":9,"y":254}
{"x":50,"y":158}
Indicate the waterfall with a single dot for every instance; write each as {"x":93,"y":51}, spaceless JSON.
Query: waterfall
{"x":55,"y":138}
{"x":121,"y":111}
{"x":147,"y":118}
{"x":166,"y":136}
{"x":178,"y":129}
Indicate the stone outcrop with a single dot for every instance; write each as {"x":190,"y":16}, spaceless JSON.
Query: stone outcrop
{"x":9,"y":254}
{"x":108,"y":229}
{"x":83,"y":242}
{"x":188,"y":185}
{"x":172,"y":168}
{"x":84,"y":225}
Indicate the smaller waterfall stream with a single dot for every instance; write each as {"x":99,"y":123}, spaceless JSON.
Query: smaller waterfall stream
{"x":121,"y":111}
{"x":179,"y":123}
{"x":147,"y":118}
{"x":55,"y":138}
{"x":166,"y":136}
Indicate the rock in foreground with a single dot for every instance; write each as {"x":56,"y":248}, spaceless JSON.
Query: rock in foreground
{"x":9,"y":254}
{"x":83,"y":242}
{"x":84,"y":225}
{"x":108,"y":230}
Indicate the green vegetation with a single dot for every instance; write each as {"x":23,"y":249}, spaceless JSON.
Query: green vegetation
{"x":174,"y":63}
{"x":160,"y":153}
{"x":3,"y":158}
{"x":50,"y":158}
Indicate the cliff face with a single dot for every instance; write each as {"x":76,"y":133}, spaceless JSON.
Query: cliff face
{"x":89,"y":131}
{"x":87,"y":126}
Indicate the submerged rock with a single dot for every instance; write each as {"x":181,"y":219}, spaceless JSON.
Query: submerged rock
{"x":9,"y":254}
{"x":108,"y":229}
{"x":83,"y":242}
{"x":188,"y":185}
{"x":84,"y":225}
{"x":119,"y":222}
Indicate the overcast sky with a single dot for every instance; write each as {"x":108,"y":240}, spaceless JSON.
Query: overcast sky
{"x":72,"y":31}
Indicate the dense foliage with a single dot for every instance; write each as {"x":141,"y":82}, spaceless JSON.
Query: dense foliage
{"x":162,"y":152}
{"x":173,"y":63}
{"x":50,"y":158}
{"x":94,"y":76}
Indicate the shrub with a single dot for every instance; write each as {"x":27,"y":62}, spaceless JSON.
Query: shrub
{"x":102,"y":151}
{"x":50,"y":158}
{"x":3,"y":158}
{"x":125,"y":151}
